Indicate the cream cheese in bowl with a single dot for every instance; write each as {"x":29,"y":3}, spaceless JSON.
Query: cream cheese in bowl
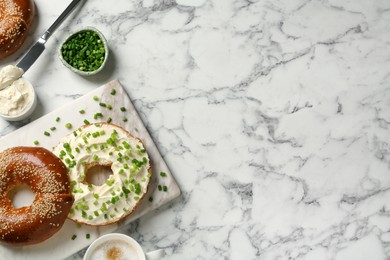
{"x":8,"y":75}
{"x":17,"y":96}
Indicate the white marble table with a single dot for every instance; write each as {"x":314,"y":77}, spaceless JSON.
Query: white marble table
{"x":273,"y":116}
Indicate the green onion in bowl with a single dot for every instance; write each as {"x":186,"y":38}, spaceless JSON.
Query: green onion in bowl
{"x":84,"y":52}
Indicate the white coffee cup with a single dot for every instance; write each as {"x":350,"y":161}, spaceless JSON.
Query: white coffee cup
{"x":120,"y":245}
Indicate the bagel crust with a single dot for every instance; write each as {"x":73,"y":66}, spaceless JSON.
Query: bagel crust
{"x":110,"y":146}
{"x":48,"y":178}
{"x":16,"y":18}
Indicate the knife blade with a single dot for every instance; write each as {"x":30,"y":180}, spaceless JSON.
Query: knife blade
{"x":36,"y":50}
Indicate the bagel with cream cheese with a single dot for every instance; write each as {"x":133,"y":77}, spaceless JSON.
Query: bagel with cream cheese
{"x":111,"y":146}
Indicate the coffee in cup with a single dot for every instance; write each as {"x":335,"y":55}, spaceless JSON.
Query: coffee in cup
{"x":117,"y":246}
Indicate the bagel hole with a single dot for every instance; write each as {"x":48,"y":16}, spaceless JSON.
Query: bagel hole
{"x":98,"y":174}
{"x":21,"y":196}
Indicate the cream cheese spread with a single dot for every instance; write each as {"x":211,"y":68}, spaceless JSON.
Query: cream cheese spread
{"x":108,"y":145}
{"x":16,"y":98}
{"x":8,"y":75}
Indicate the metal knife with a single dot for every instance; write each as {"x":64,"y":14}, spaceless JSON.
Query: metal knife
{"x":36,"y":50}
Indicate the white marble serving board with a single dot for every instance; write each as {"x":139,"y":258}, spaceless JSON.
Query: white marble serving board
{"x":61,"y":244}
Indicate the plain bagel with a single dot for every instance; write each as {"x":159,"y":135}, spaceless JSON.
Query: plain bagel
{"x":16,"y":17}
{"x":48,"y":178}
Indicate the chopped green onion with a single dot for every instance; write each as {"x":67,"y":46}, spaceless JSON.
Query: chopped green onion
{"x":151,"y":199}
{"x":113,"y":91}
{"x":163,"y":174}
{"x":126,"y":145}
{"x":109,"y":182}
{"x":137,"y":187}
{"x":165,"y":188}
{"x":103,"y":207}
{"x":125,"y":119}
{"x":88,"y":236}
{"x":53,"y":128}
{"x":109,"y":120}
{"x":96,"y":98}
{"x":82,"y":111}
{"x":36,"y":142}
{"x":97,"y":115}
{"x":114,"y":199}
{"x":84,"y":51}
{"x":58,"y":119}
{"x":68,"y":125}
{"x":86,"y":122}
{"x":74,"y":237}
{"x":102,"y":104}
{"x":125,"y":190}
{"x":123,"y":109}
{"x":46,"y":133}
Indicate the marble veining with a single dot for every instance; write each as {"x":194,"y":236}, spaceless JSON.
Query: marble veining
{"x":273,"y":117}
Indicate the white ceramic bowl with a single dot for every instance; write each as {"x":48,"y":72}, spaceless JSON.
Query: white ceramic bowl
{"x":80,"y":72}
{"x":116,"y":243}
{"x":26,"y":112}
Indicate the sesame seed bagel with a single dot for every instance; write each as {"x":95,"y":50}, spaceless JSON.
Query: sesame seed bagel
{"x":16,"y":17}
{"x":110,"y":146}
{"x":47,"y":177}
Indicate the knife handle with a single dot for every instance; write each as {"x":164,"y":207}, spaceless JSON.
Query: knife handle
{"x":59,"y":20}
